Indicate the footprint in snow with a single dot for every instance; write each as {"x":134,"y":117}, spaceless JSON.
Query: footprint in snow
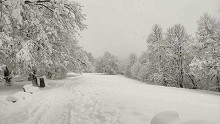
{"x":172,"y":117}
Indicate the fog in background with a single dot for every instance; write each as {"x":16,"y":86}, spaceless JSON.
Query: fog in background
{"x":122,"y":26}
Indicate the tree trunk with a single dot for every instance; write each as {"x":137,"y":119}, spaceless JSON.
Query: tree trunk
{"x":181,"y":78}
{"x":165,"y":83}
{"x":181,"y":65}
{"x":193,"y":81}
{"x":218,"y":83}
{"x":1,"y":19}
{"x":161,"y":68}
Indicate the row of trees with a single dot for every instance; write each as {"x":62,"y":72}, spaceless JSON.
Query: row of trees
{"x":175,"y":58}
{"x":41,"y":34}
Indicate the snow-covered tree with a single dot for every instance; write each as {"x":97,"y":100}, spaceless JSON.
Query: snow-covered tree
{"x":40,"y":34}
{"x":121,"y":67}
{"x":177,"y":45}
{"x":157,"y":53}
{"x":140,"y":67}
{"x":144,"y":57}
{"x":90,"y":57}
{"x":205,"y":66}
{"x":88,"y":61}
{"x":143,"y":73}
{"x":132,"y":59}
{"x":107,"y":64}
{"x":135,"y":70}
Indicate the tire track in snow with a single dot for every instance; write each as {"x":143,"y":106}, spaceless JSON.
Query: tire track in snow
{"x":91,"y":111}
{"x":71,"y":103}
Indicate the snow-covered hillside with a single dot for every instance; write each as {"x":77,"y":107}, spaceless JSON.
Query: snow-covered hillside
{"x":109,"y":99}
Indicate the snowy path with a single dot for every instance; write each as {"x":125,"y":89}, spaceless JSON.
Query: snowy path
{"x":106,"y":99}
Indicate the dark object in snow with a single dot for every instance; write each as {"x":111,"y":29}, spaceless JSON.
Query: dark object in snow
{"x":30,"y":77}
{"x":42,"y":84}
{"x":37,"y":80}
{"x":12,"y":98}
{"x":33,"y":78}
{"x":7,"y":76}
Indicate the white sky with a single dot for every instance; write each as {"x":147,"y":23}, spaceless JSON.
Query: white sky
{"x":122,"y":26}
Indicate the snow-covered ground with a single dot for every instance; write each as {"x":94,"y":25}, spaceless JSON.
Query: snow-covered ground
{"x":108,"y":99}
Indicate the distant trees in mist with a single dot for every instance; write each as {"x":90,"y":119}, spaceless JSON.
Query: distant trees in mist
{"x":108,"y":64}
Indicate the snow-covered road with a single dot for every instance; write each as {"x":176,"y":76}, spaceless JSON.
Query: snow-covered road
{"x":108,"y":99}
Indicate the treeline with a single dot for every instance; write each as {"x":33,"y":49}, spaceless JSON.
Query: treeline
{"x":41,"y":35}
{"x":175,"y":58}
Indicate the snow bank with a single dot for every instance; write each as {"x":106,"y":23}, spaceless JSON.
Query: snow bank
{"x":12,"y":98}
{"x":30,"y":89}
{"x":22,"y":95}
{"x":72,"y":74}
{"x":18,"y":96}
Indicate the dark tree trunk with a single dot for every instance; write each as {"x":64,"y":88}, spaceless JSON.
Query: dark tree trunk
{"x":1,"y":20}
{"x":218,"y":83}
{"x":165,"y":83}
{"x":7,"y":75}
{"x":193,"y":81}
{"x":181,"y":66}
{"x":181,"y":85}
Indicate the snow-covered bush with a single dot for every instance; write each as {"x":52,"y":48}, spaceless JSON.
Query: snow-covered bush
{"x":30,"y":89}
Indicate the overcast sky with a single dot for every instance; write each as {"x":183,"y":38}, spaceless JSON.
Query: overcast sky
{"x":122,"y":26}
